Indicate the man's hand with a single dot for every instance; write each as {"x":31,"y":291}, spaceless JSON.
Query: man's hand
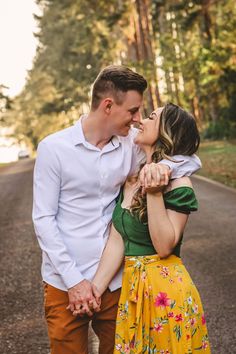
{"x":154,"y":177}
{"x":84,"y":298}
{"x":94,"y":305}
{"x":80,"y":296}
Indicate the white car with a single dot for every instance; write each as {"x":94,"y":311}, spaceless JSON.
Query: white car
{"x":23,"y":154}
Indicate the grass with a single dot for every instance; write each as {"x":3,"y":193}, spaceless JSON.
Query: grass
{"x":219,"y":161}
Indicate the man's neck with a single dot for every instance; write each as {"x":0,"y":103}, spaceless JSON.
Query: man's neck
{"x":94,"y":131}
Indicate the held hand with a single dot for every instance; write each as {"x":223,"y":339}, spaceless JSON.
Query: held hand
{"x":96,"y":303}
{"x":79,"y":297}
{"x":154,"y":177}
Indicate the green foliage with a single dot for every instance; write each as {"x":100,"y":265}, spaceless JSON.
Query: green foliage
{"x":222,"y":129}
{"x":5,"y":101}
{"x":186,"y":50}
{"x":76,"y":42}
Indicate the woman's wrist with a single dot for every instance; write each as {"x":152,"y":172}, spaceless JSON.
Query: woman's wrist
{"x":155,"y":191}
{"x":101,"y":288}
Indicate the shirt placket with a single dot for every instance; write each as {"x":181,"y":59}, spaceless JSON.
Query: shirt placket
{"x":103,"y":177}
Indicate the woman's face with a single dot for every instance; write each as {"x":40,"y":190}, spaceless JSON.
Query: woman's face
{"x":149,"y":129}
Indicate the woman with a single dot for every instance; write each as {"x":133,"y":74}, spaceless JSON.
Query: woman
{"x":160,"y":310}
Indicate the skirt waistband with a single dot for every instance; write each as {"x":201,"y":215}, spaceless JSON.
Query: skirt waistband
{"x":138,"y":261}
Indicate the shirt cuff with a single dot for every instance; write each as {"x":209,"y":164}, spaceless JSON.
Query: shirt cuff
{"x":72,"y":277}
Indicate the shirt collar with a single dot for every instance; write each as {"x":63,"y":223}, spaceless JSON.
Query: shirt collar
{"x":79,"y":138}
{"x":77,"y":133}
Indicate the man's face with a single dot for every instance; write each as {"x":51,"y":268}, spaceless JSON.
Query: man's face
{"x":122,"y":116}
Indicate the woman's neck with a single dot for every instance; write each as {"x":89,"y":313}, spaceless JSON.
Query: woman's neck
{"x":149,"y":150}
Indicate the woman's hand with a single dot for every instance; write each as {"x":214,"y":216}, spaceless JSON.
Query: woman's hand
{"x":154,"y":177}
{"x":91,"y":306}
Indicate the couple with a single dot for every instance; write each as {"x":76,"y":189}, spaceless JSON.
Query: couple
{"x":102,"y":169}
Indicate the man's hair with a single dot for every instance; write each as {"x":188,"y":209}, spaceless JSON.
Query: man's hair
{"x":115,"y":80}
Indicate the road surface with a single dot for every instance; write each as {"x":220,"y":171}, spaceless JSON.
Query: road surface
{"x":208,"y":252}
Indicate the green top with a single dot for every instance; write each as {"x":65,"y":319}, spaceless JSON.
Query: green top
{"x":135,"y":233}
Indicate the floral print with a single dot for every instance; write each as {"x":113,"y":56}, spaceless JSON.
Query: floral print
{"x":162,"y":300}
{"x":160,"y":311}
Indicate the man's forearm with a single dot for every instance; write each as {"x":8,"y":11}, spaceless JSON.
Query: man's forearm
{"x":183,"y":165}
{"x":52,"y":244}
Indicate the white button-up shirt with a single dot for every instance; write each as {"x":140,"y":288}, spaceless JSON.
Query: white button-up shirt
{"x":75,"y":188}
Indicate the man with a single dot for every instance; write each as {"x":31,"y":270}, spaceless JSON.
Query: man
{"x":78,"y":175}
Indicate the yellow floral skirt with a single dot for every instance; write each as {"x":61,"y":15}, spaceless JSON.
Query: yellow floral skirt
{"x":160,"y":310}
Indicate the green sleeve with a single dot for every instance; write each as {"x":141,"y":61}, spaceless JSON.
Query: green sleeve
{"x":181,"y":199}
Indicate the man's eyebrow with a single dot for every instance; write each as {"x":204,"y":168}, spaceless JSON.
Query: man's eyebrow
{"x":134,"y":109}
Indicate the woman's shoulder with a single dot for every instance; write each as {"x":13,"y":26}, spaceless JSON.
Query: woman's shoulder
{"x":180,"y":196}
{"x":180,"y":182}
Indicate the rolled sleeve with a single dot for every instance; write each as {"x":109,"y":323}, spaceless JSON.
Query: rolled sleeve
{"x":45,"y":207}
{"x":184,"y":165}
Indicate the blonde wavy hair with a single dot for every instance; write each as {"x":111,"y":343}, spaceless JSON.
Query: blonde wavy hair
{"x":178,"y":135}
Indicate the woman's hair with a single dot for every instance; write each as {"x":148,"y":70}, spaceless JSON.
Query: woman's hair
{"x":178,"y":135}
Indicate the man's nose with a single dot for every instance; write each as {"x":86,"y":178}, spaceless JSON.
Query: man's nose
{"x":136,"y":117}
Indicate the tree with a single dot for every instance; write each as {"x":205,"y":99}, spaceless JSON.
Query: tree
{"x":184,"y":48}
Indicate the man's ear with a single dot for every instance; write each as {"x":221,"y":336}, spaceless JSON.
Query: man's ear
{"x":107,"y":104}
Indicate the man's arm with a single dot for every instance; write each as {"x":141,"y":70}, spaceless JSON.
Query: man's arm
{"x":45,"y":207}
{"x":158,"y":174}
{"x":47,"y":180}
{"x":185,"y":165}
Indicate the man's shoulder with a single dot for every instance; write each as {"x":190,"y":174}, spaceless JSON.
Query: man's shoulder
{"x":58,"y":137}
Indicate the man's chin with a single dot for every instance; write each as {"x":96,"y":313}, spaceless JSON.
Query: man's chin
{"x":124,"y":132}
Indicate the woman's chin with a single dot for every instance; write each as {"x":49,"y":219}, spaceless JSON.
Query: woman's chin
{"x":137,"y":140}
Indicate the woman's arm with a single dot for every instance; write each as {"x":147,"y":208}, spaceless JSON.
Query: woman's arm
{"x":165,"y":226}
{"x":110,"y":262}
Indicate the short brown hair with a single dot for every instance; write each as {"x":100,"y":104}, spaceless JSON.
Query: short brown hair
{"x":116,"y":80}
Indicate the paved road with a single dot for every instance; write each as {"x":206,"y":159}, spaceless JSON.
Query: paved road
{"x":208,"y":251}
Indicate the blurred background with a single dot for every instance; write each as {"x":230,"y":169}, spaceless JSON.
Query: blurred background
{"x":53,"y":50}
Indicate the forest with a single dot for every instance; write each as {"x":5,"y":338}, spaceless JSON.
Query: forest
{"x":185,"y":49}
